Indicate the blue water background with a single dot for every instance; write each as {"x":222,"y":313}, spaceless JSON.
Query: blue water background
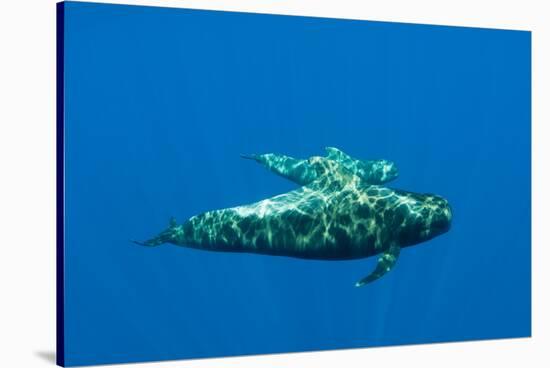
{"x":161,"y":102}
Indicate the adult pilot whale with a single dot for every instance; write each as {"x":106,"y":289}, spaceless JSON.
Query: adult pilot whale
{"x":336,"y":217}
{"x":301,"y":172}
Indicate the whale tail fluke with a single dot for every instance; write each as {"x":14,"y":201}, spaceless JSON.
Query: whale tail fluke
{"x":164,"y":237}
{"x":250,"y":157}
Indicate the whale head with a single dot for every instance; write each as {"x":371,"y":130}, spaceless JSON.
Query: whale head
{"x":425,"y":217}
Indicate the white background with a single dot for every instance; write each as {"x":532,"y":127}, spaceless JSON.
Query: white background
{"x":27,"y":181}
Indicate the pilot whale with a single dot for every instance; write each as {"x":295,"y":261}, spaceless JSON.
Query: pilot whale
{"x":301,"y":172}
{"x":337,"y":216}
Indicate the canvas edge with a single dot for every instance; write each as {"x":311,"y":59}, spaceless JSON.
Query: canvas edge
{"x":204,"y":8}
{"x":60,"y":185}
{"x":60,"y":181}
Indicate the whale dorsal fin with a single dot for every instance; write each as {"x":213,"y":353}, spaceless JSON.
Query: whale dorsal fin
{"x":386,"y":261}
{"x":334,"y":153}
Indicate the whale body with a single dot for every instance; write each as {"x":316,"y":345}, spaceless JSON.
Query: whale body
{"x":302,"y":173}
{"x":337,"y":216}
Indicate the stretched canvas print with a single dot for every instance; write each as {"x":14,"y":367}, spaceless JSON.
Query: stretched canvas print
{"x":234,"y":184}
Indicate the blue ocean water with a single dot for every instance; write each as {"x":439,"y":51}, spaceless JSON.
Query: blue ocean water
{"x":159,"y":103}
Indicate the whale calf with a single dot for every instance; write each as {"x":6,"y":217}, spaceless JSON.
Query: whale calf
{"x":301,"y":172}
{"x":337,"y":216}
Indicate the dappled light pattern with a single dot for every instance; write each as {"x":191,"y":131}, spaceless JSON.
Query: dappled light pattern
{"x":337,"y":216}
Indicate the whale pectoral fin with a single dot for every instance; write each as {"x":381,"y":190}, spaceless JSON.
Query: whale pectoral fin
{"x":385,"y":263}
